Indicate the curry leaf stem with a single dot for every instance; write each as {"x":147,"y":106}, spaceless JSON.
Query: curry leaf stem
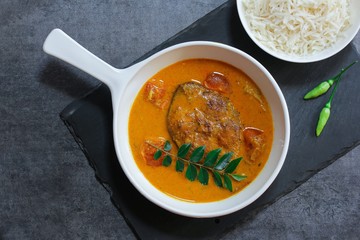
{"x":222,"y":172}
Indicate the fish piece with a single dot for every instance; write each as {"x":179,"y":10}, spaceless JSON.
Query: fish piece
{"x":203,"y":117}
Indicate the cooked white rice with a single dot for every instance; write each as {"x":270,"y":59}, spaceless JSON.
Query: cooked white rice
{"x":297,"y":27}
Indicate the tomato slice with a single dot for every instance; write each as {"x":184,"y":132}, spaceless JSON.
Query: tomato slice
{"x":218,"y":82}
{"x":155,"y":93}
{"x":148,"y":151}
{"x":255,"y":142}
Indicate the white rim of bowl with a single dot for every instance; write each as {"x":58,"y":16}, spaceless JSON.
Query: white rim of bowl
{"x":261,"y":190}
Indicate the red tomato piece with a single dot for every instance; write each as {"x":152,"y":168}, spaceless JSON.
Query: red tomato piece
{"x":218,"y":82}
{"x":148,"y":151}
{"x":255,"y":142}
{"x":155,"y":93}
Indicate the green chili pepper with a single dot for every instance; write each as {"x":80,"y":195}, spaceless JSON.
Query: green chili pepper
{"x":325,"y":112}
{"x":320,"y":89}
{"x":323,"y":118}
{"x":323,"y":87}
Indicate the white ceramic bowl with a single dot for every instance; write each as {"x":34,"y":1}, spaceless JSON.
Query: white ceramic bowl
{"x":125,"y":85}
{"x":341,"y":43}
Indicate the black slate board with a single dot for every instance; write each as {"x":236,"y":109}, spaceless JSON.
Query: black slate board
{"x":90,"y":122}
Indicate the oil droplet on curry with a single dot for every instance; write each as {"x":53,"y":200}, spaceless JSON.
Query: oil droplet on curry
{"x":243,"y":124}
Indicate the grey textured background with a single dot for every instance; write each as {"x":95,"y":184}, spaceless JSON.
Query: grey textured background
{"x":47,"y":188}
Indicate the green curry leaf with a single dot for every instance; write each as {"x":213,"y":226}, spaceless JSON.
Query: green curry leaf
{"x":217,"y":179}
{"x":238,"y":177}
{"x":203,"y":176}
{"x":167,"y":146}
{"x":223,"y":161}
{"x":197,"y":154}
{"x":183,"y":150}
{"x":211,"y":157}
{"x":179,"y":165}
{"x":233,"y":165}
{"x":191,"y":172}
{"x":157,"y":154}
{"x":227,"y":182}
{"x":167,"y":161}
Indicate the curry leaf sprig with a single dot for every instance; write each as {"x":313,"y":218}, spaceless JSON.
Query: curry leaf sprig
{"x":198,"y":165}
{"x":321,"y":89}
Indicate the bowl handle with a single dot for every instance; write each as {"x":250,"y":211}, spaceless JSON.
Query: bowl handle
{"x":60,"y":45}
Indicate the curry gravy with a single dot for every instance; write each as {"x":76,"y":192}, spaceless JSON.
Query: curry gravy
{"x":149,"y":120}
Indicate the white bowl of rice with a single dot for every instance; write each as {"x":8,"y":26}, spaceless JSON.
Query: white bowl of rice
{"x":300,"y":30}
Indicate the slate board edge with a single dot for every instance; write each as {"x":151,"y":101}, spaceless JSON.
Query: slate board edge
{"x":63,"y":116}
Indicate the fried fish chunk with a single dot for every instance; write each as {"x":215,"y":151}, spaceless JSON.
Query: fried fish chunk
{"x":203,"y":117}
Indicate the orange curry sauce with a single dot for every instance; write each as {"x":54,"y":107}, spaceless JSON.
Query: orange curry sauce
{"x":148,"y":120}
